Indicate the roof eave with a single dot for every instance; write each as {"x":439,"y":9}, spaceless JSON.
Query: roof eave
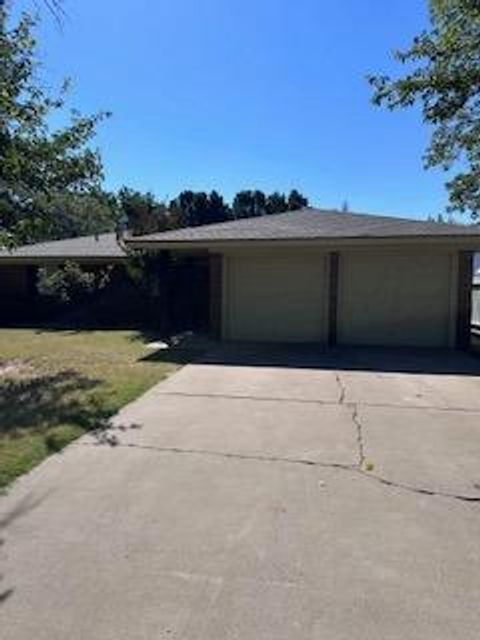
{"x":466,"y":242}
{"x":37,"y":260}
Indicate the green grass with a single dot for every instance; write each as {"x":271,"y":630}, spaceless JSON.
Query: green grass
{"x":61,"y":384}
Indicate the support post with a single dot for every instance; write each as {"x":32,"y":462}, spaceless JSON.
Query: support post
{"x":163,"y":292}
{"x":334,"y":264}
{"x":216,"y":295}
{"x":464,"y":299}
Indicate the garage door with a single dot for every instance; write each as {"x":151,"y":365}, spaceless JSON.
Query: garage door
{"x":276,"y":299}
{"x":395,"y":300}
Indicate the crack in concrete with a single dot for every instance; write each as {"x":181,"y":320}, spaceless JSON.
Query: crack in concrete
{"x":418,"y":490}
{"x":360,"y":436}
{"x":354,"y":468}
{"x":341,"y":387}
{"x":359,"y":467}
{"x":355,"y":418}
{"x":333,"y":403}
{"x":115,"y":442}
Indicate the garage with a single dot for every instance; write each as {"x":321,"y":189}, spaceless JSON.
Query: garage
{"x":400,"y":299}
{"x":276,"y":297}
{"x":335,"y":278}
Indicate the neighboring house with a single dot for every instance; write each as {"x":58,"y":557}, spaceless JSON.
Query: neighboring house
{"x":19,"y":267}
{"x":476,"y":294}
{"x":331,"y":277}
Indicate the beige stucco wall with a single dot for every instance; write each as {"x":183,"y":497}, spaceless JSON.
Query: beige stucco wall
{"x":275,"y":296}
{"x":397,"y":297}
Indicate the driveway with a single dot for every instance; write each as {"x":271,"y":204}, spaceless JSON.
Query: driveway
{"x":263,"y":493}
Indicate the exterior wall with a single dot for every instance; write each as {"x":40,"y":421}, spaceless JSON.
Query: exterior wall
{"x":275,"y":296}
{"x":20,"y":301}
{"x":16,"y":284}
{"x":401,"y":298}
{"x":14,"y":281}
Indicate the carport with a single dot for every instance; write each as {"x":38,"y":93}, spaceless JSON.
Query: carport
{"x":334,"y":278}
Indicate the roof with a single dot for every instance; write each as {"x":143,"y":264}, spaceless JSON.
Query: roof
{"x":100,"y":247}
{"x":311,"y":224}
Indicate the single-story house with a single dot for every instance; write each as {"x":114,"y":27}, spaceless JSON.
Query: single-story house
{"x":19,"y":267}
{"x":333,"y":278}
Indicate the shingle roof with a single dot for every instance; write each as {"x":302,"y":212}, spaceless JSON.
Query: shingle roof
{"x":103,"y":246}
{"x":311,"y":224}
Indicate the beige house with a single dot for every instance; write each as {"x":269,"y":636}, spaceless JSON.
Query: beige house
{"x":334,"y":278}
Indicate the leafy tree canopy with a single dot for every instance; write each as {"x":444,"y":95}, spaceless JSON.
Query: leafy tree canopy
{"x":247,"y":204}
{"x":38,"y":164}
{"x":443,"y":77}
{"x":69,"y":215}
{"x":141,"y":212}
{"x":296,"y":200}
{"x":192,"y":208}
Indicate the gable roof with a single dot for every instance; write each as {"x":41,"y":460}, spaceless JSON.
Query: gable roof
{"x":310,"y":224}
{"x":101,"y":247}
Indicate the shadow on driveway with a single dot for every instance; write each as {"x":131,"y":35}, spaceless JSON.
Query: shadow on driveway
{"x":313,"y":356}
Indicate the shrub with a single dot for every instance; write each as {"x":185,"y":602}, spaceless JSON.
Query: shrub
{"x":70,"y":282}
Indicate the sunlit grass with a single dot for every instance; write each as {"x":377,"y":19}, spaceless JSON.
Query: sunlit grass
{"x":58,"y":384}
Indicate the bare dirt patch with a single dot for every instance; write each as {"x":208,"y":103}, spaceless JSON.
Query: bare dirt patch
{"x":15,"y":368}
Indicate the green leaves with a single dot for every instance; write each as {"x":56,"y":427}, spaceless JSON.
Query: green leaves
{"x":71,"y":283}
{"x":37,"y":164}
{"x":445,"y":82}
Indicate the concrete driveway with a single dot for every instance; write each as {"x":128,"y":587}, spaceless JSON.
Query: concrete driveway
{"x":261,"y":494}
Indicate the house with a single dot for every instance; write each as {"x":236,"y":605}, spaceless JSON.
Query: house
{"x":476,"y":295}
{"x":19,"y":267}
{"x":122,"y":302}
{"x":333,"y":278}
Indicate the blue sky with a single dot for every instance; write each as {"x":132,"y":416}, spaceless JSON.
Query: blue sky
{"x":234,"y":94}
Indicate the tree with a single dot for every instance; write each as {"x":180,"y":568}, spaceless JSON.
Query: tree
{"x":218,"y":210}
{"x":196,"y":208}
{"x":445,"y":82}
{"x":192,"y":209}
{"x":72,"y":283}
{"x":37,"y":163}
{"x":296,"y":200}
{"x":141,"y":212}
{"x":276,"y":203}
{"x":249,"y":204}
{"x":54,"y":7}
{"x":186,"y":208}
{"x":73,"y":215}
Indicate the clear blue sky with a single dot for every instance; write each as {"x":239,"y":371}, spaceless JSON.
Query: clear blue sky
{"x":234,"y":94}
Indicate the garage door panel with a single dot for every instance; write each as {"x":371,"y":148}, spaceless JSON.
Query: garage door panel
{"x":395,"y":300}
{"x":276,"y":299}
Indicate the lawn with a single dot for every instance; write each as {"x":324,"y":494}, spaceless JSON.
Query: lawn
{"x":56,"y":385}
